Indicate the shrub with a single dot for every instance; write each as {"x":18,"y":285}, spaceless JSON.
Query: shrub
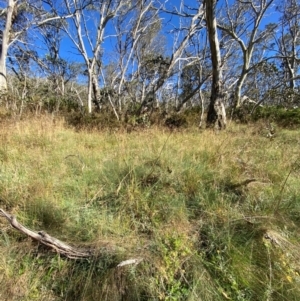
{"x":176,"y":121}
{"x":97,"y":121}
{"x":282,"y":116}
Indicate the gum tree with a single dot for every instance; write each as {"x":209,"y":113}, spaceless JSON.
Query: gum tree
{"x":216,"y":115}
{"x":193,"y":26}
{"x":242,"y":22}
{"x":139,"y":28}
{"x":16,"y":19}
{"x":7,"y":15}
{"x":86,"y":30}
{"x":288,"y":41}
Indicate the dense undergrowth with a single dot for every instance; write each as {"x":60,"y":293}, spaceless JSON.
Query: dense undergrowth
{"x":214,"y":216}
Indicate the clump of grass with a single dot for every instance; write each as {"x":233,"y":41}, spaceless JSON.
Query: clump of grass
{"x":213,"y":216}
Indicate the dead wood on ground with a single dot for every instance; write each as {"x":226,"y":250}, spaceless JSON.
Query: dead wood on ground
{"x":57,"y":245}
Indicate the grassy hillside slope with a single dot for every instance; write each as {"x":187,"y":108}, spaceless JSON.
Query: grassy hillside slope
{"x":213,"y":216}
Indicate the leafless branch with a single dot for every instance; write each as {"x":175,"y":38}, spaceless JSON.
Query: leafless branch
{"x":60,"y":247}
{"x":47,"y":240}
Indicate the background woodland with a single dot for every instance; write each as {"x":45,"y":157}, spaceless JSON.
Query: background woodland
{"x":128,"y":59}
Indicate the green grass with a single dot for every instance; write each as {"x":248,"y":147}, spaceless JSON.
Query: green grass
{"x":175,"y":199}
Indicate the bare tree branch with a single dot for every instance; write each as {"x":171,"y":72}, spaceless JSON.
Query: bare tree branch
{"x":47,"y":240}
{"x":60,"y":247}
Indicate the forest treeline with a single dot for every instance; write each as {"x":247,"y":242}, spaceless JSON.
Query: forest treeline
{"x":149,"y":61}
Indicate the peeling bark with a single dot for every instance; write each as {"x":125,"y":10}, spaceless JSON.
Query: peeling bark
{"x":216,"y":115}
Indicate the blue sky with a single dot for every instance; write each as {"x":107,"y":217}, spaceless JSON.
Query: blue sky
{"x":170,"y":22}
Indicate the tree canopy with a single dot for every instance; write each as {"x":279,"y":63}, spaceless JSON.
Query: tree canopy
{"x":149,"y":54}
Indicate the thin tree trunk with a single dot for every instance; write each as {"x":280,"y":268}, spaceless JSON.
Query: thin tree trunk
{"x":109,"y":97}
{"x":5,"y":44}
{"x":238,"y":89}
{"x":96,"y":94}
{"x":90,"y":91}
{"x":193,"y":28}
{"x":291,"y":72}
{"x":202,"y":108}
{"x":216,"y":115}
{"x":246,"y":63}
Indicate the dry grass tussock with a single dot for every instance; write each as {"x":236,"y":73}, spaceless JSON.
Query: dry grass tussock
{"x":213,"y":215}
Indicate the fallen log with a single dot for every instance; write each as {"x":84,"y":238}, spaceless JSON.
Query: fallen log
{"x":47,"y":240}
{"x":59,"y":246}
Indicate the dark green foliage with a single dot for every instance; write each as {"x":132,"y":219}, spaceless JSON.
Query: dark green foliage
{"x":154,"y":63}
{"x":176,"y":121}
{"x":106,"y":119}
{"x":243,"y":113}
{"x":97,"y":121}
{"x":284,"y":117}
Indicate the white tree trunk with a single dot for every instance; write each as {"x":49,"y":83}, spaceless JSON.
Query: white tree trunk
{"x":246,"y":64}
{"x":216,"y":113}
{"x":5,"y":44}
{"x":175,"y":57}
{"x":254,"y":36}
{"x":90,"y":91}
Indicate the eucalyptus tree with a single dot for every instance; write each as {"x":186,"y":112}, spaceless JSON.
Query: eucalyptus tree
{"x":288,"y":41}
{"x":216,"y":112}
{"x":17,"y":18}
{"x":19,"y":79}
{"x":86,"y":29}
{"x":165,"y":66}
{"x":242,"y":22}
{"x":194,"y":65}
{"x":264,"y":81}
{"x":140,"y":27}
{"x":151,"y":62}
{"x":59,"y":71}
{"x":204,"y":16}
{"x":13,"y":17}
{"x":195,"y":71}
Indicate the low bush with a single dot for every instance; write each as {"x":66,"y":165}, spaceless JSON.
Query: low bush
{"x":282,"y":116}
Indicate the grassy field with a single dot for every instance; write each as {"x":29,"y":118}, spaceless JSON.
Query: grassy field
{"x":213,"y":216}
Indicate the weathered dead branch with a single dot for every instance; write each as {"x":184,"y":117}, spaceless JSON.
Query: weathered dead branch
{"x":44,"y":238}
{"x":243,"y":183}
{"x":59,"y":246}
